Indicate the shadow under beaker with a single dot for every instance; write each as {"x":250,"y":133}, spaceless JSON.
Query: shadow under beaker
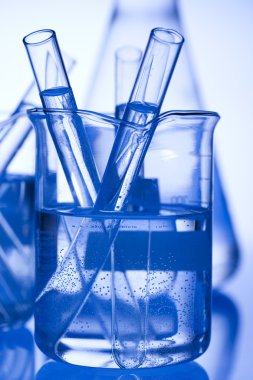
{"x":63,"y":371}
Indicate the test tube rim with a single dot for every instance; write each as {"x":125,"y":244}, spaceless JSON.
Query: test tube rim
{"x":179,"y":39}
{"x":51,"y":33}
{"x":123,"y":58}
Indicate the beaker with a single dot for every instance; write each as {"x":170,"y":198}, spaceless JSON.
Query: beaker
{"x":142,"y":297}
{"x":17,"y":259}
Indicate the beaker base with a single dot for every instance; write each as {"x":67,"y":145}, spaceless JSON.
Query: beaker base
{"x":86,"y":352}
{"x":97,"y":352}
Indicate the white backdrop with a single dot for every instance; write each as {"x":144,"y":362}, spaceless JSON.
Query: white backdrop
{"x":220,"y":35}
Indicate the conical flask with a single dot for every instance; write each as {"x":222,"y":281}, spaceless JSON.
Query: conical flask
{"x":130,"y":25}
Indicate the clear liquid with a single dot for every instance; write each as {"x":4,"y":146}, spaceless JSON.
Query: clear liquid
{"x":17,"y":256}
{"x":126,"y":157}
{"x":58,"y":97}
{"x":166,"y":261}
{"x":119,"y":111}
{"x":72,"y":145}
{"x":140,"y":113}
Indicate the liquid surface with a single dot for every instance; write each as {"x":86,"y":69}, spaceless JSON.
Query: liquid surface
{"x":119,"y":110}
{"x":126,"y":157}
{"x":72,"y":145}
{"x":140,"y":113}
{"x":158,"y":267}
{"x":58,"y":97}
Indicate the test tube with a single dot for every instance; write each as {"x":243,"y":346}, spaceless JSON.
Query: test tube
{"x":129,"y":150}
{"x":154,"y":75}
{"x":15,"y":130}
{"x":28,"y":98}
{"x":127,"y":63}
{"x":144,"y":104}
{"x":70,"y":139}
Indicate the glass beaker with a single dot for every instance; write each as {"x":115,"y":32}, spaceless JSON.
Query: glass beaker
{"x":142,"y":298}
{"x":17,"y":259}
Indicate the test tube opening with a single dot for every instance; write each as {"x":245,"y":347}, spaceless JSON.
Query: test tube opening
{"x":39,"y":37}
{"x":128,"y":53}
{"x":167,"y":36}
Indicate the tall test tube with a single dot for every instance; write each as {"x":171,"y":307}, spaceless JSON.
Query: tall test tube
{"x":127,"y":63}
{"x":144,"y":104}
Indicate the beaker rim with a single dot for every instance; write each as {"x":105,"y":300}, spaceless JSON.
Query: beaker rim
{"x":49,"y":33}
{"x":197,"y":113}
{"x":107,"y":119}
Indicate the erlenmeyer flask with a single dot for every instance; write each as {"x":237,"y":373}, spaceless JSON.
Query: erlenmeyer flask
{"x":130,"y":26}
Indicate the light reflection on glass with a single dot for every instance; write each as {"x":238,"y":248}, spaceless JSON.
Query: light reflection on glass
{"x":220,"y":356}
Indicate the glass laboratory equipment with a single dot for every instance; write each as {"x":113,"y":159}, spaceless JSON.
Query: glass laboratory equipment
{"x":127,"y":300}
{"x":55,"y":92}
{"x":17,"y":251}
{"x":15,"y":131}
{"x":130,"y":26}
{"x":17,"y":256}
{"x":127,"y":63}
{"x":68,"y":133}
{"x":144,"y":104}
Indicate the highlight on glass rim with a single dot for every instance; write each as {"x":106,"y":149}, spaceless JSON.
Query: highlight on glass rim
{"x":122,"y":250}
